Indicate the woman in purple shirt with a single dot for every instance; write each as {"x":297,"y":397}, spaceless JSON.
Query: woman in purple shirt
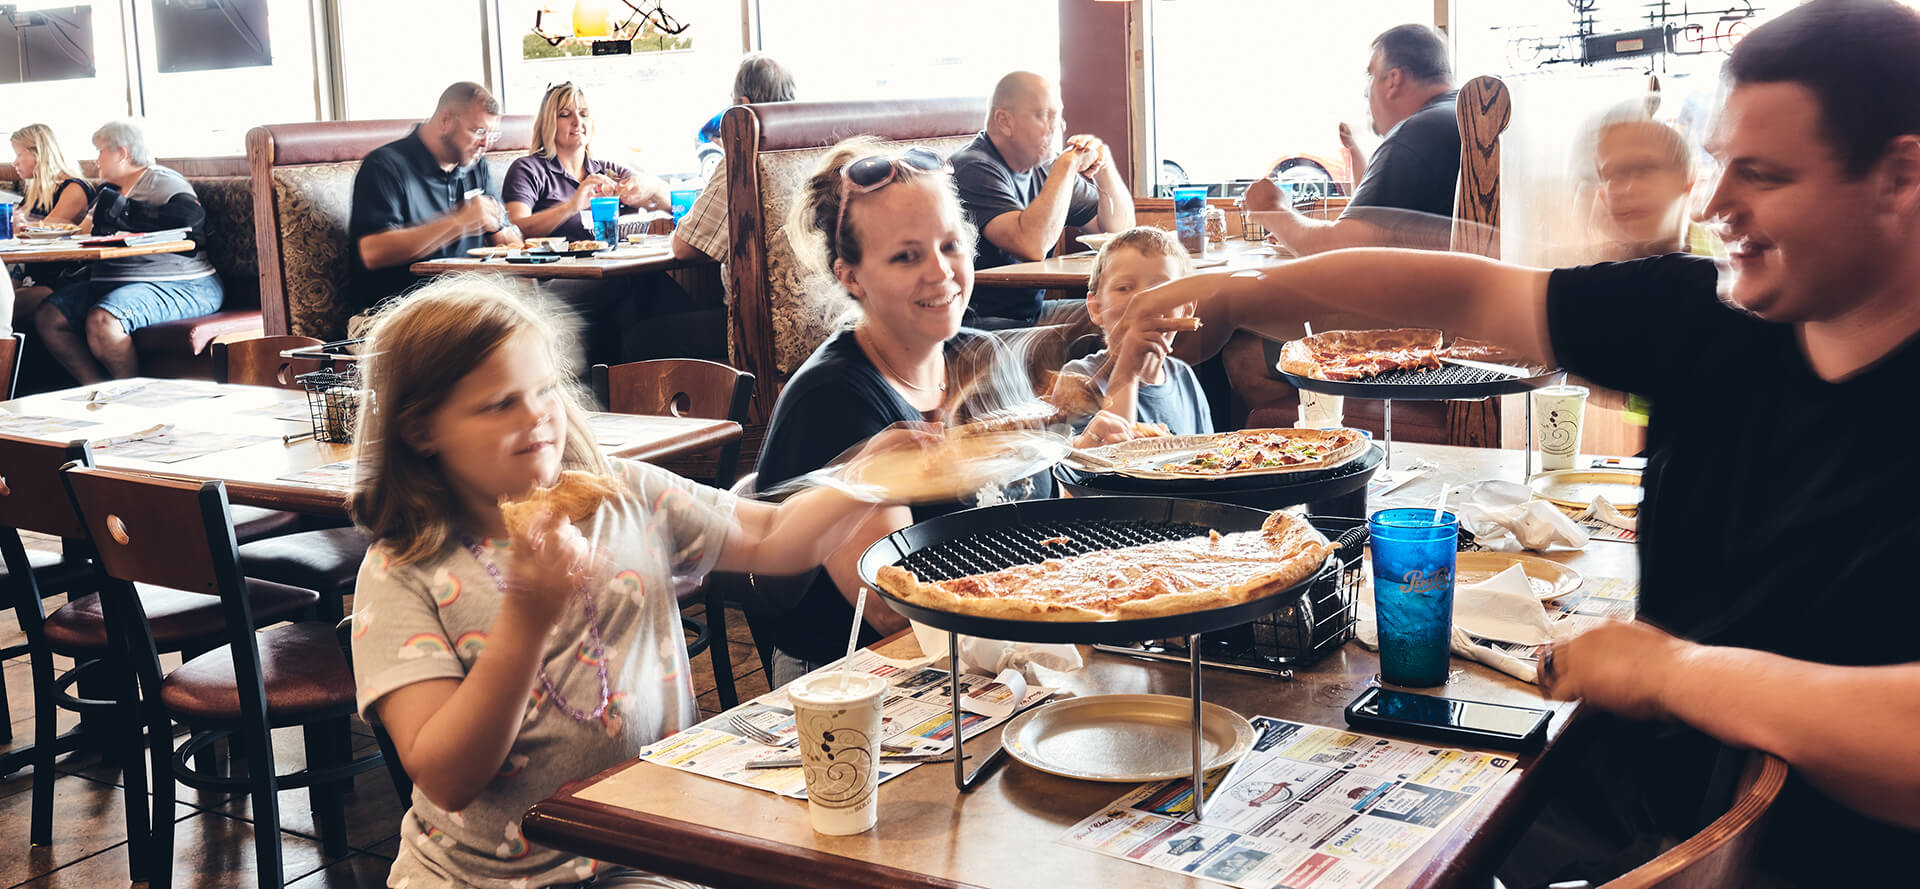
{"x":547,"y":190}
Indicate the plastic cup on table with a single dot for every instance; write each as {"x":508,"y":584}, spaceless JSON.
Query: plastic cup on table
{"x":1189,"y":217}
{"x":1413,"y":569}
{"x":837,"y":715}
{"x":680,"y":200}
{"x":606,"y":219}
{"x":6,"y":221}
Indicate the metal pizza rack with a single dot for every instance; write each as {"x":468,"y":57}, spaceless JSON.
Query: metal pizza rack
{"x":996,"y":537}
{"x":1340,"y":489}
{"x":1451,"y":382}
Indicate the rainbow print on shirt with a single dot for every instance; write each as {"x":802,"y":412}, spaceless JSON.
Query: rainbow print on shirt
{"x":470,"y":643}
{"x":627,"y":582}
{"x":446,"y":588}
{"x":423,"y":645}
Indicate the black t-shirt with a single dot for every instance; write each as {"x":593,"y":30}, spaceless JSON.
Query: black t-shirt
{"x":1417,"y":167}
{"x":401,"y":185}
{"x":835,"y":401}
{"x":1775,"y":517}
{"x":989,"y":188}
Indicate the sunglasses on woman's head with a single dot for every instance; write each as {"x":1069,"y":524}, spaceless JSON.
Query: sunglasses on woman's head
{"x":874,"y":172}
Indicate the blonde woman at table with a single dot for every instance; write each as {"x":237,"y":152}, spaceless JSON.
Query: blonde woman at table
{"x":503,"y":664}
{"x":547,"y":189}
{"x":55,"y":191}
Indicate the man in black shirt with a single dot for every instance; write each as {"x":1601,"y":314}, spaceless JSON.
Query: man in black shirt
{"x":1405,"y":198}
{"x":1021,"y":190}
{"x":1775,"y":535}
{"x":424,"y":196}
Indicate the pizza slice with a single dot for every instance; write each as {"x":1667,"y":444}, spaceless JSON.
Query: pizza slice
{"x":577,"y":495}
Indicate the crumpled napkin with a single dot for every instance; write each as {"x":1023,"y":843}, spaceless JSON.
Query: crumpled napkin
{"x":1503,"y":516}
{"x":1606,"y":512}
{"x":1009,"y":663}
{"x":1501,"y":607}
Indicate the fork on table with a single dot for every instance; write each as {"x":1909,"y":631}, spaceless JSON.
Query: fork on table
{"x":746,"y":727}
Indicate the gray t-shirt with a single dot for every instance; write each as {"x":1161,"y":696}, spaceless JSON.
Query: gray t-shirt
{"x":159,"y":199}
{"x":429,"y":620}
{"x":1176,"y":400}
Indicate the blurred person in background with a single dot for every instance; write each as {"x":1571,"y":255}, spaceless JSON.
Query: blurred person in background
{"x":1021,"y":186}
{"x":425,"y":195}
{"x":54,"y":191}
{"x":547,"y":189}
{"x":703,"y":230}
{"x":88,"y":325}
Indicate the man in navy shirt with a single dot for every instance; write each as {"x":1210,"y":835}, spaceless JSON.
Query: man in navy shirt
{"x":1021,"y":190}
{"x":1406,"y":195}
{"x":424,"y":196}
{"x":1777,"y":534}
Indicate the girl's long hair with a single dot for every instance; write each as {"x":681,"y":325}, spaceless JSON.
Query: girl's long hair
{"x":51,"y":167}
{"x":418,"y":350}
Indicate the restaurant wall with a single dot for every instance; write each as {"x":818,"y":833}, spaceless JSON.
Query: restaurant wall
{"x":1096,"y":72}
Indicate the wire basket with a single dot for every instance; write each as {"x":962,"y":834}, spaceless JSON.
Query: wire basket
{"x":1293,"y":636}
{"x":333,"y":400}
{"x":1250,"y":230}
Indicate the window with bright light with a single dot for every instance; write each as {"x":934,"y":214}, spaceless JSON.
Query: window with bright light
{"x":1250,"y":88}
{"x":213,"y":69}
{"x":884,"y":49}
{"x":49,"y":82}
{"x":648,"y":104}
{"x":396,"y":58}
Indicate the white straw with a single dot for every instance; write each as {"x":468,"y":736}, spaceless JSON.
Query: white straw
{"x":1309,"y":326}
{"x":853,"y":638}
{"x":1439,"y":509}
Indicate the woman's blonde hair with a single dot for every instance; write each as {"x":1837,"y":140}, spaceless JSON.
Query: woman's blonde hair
{"x":1145,"y":239}
{"x":418,"y":350}
{"x":547,"y":121}
{"x":814,"y":223}
{"x":50,"y":167}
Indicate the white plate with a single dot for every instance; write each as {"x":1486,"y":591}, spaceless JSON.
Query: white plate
{"x":1097,"y":240}
{"x":1549,"y":579}
{"x":1130,"y":738}
{"x":1576,"y":488}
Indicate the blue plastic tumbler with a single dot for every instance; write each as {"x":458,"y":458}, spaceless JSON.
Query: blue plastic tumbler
{"x":6,"y":221}
{"x":1190,"y":218}
{"x":606,"y":220}
{"x":681,"y":200}
{"x":1413,"y":561}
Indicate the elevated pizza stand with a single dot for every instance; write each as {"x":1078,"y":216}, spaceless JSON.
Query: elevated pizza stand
{"x":994,"y":537}
{"x":1339,"y":490}
{"x":1451,"y":382}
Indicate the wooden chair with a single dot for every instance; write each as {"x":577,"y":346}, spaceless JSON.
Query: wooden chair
{"x":680,"y":387}
{"x":1484,"y":109}
{"x":175,"y":534}
{"x":31,"y":498}
{"x":10,"y":349}
{"x":1722,"y":853}
{"x":688,"y":387}
{"x":257,"y":362}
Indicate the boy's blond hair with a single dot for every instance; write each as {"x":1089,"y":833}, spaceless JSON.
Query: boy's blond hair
{"x":418,"y":349}
{"x":1147,"y":240}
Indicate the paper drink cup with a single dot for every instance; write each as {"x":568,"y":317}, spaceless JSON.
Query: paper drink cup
{"x":838,"y":718}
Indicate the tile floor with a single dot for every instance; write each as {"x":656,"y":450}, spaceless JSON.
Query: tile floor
{"x":213,"y":839}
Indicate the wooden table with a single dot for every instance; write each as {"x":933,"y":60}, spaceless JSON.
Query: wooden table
{"x":64,"y":250}
{"x":1001,"y":834}
{"x":608,"y":265}
{"x":255,"y":473}
{"x":1070,"y":272}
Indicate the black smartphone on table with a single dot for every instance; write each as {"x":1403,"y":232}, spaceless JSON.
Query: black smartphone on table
{"x":533,"y":258}
{"x":1431,"y":718}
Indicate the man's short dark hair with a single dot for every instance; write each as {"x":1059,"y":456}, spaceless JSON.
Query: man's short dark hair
{"x":464,"y":95}
{"x":761,"y":79}
{"x":1416,"y":49}
{"x":1861,"y":59}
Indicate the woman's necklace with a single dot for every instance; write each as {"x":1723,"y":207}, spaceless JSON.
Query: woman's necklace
{"x":597,"y":650}
{"x":888,"y":368}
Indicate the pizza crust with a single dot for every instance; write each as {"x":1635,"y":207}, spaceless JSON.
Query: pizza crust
{"x":1303,"y":357}
{"x":1341,"y":444}
{"x":577,"y":495}
{"x":1217,"y":570}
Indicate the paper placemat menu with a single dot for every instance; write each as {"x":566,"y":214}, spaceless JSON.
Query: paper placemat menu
{"x":1310,"y":807}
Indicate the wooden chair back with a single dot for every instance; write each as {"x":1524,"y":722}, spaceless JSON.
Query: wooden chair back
{"x":257,"y":362}
{"x":680,"y":387}
{"x":1484,"y":110}
{"x":31,"y":496}
{"x":779,"y":310}
{"x":155,"y":530}
{"x":1722,"y":853}
{"x":10,"y":349}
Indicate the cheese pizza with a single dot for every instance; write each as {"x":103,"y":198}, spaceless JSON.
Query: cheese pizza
{"x":1198,"y":573}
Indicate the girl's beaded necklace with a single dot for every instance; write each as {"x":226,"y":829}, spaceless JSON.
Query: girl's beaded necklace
{"x":597,"y":651}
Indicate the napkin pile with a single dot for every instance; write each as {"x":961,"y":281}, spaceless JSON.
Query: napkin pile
{"x":1502,"y":608}
{"x":1504,"y":517}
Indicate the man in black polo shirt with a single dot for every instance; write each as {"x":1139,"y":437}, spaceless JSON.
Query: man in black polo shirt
{"x":1021,"y":190}
{"x":424,"y":196}
{"x":1405,"y":198}
{"x":1777,"y":532}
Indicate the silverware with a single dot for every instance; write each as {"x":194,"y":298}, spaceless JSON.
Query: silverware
{"x":793,"y":762}
{"x":296,"y":437}
{"x":746,"y":727}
